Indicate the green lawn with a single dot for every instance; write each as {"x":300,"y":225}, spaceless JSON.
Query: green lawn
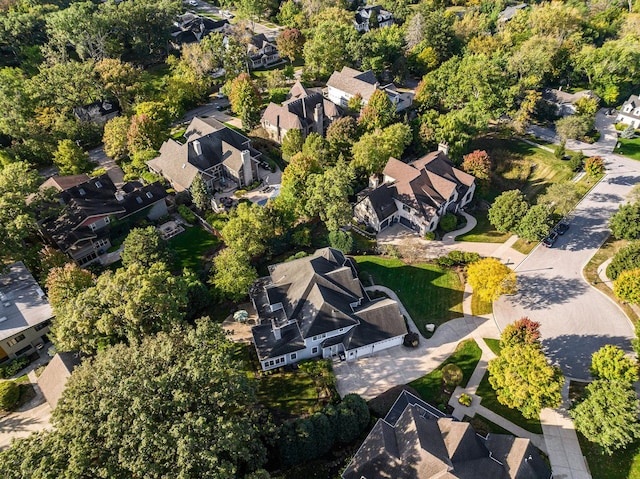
{"x":480,"y":307}
{"x":622,"y":464}
{"x":629,"y":147}
{"x":484,"y":232}
{"x":466,"y":356}
{"x":490,"y":401}
{"x":494,"y":345}
{"x":431,"y":294}
{"x":190,"y":247}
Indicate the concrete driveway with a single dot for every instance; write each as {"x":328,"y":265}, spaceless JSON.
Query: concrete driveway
{"x":576,"y":319}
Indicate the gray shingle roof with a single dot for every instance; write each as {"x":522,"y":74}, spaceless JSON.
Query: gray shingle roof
{"x":54,"y":378}
{"x":354,"y":82}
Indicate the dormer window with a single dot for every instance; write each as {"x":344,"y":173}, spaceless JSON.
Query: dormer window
{"x":139,"y":200}
{"x":627,"y":108}
{"x":636,"y":111}
{"x":149,"y":195}
{"x":98,"y":184}
{"x":81,"y":191}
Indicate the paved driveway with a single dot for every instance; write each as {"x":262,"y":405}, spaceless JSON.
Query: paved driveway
{"x":576,"y":319}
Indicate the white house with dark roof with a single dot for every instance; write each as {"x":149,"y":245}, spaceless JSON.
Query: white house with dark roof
{"x":415,"y":194}
{"x":213,"y":151}
{"x":347,"y":83}
{"x":305,"y":110}
{"x":262,"y":52}
{"x":372,"y":16}
{"x":317,"y":307}
{"x":25,"y":313}
{"x":630,"y":112}
{"x":82,"y":229}
{"x":417,"y":441}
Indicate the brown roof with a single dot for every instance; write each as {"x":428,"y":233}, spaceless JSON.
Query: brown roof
{"x":281,"y":116}
{"x":62,"y":183}
{"x":400,"y":171}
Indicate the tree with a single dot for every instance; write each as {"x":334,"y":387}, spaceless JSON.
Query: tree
{"x":291,"y":143}
{"x":233,"y":274}
{"x":373,"y":150}
{"x":115,"y":138}
{"x":120,"y":79}
{"x":170,"y":399}
{"x":9,"y":395}
{"x":611,"y":364}
{"x":316,"y":147}
{"x":608,"y":415}
{"x":378,"y":113}
{"x":294,"y":181}
{"x":535,"y":224}
{"x":524,"y":114}
{"x":248,"y":229}
{"x":507,"y":211}
{"x":522,"y":331}
{"x":625,"y":259}
{"x":329,"y":196}
{"x":66,"y":282}
{"x":573,"y":127}
{"x":328,"y":48}
{"x":71,"y":159}
{"x":490,"y":279}
{"x":200,"y":194}
{"x":478,"y":164}
{"x":414,"y":31}
{"x":144,"y":246}
{"x":560,"y":197}
{"x":594,"y":166}
{"x":51,"y":258}
{"x":144,"y":134}
{"x":291,"y":15}
{"x":341,"y":135}
{"x":342,"y":240}
{"x":627,"y":286}
{"x":290,"y":43}
{"x":523,"y":379}
{"x":625,"y":223}
{"x":245,"y":101}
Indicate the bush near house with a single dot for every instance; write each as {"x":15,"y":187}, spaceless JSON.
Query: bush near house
{"x":9,"y":395}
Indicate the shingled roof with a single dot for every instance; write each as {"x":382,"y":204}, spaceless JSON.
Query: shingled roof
{"x":354,"y":82}
{"x":422,"y":443}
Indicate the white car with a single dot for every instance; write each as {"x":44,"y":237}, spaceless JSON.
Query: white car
{"x":193,"y":3}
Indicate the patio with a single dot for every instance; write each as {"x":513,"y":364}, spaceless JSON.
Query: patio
{"x":170,"y":229}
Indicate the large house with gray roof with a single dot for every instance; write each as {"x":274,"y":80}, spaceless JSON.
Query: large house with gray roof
{"x":305,"y":110}
{"x":347,"y":83}
{"x":83,"y":228}
{"x":415,"y":194}
{"x":372,"y":16}
{"x":25,"y":313}
{"x":213,"y":151}
{"x":317,"y":307}
{"x":630,"y":112}
{"x":417,"y":441}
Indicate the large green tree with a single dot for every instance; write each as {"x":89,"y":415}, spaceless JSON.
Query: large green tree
{"x":608,"y":415}
{"x":115,"y":138}
{"x":378,"y":113}
{"x":290,"y":43}
{"x":625,"y":259}
{"x":66,"y":282}
{"x":176,"y":405}
{"x":625,"y":223}
{"x":373,"y":150}
{"x":233,"y":274}
{"x":560,"y":197}
{"x":627,"y":286}
{"x":144,"y":246}
{"x":200,"y":194}
{"x":490,"y":279}
{"x":341,"y":135}
{"x":248,"y":229}
{"x":329,"y":196}
{"x":328,"y":48}
{"x":71,"y":159}
{"x":245,"y":101}
{"x":291,"y":143}
{"x":507,"y":211}
{"x":610,"y":363}
{"x":535,"y":224}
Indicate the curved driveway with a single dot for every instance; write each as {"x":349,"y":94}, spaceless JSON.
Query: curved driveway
{"x":576,"y":319}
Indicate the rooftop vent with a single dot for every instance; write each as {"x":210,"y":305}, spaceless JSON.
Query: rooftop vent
{"x":149,"y":195}
{"x":138,"y":199}
{"x":120,"y":195}
{"x":197,"y":147}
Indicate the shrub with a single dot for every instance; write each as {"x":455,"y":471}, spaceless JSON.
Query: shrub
{"x":465,"y":399}
{"x":560,"y":150}
{"x":451,"y":375}
{"x":625,"y":259}
{"x":302,"y":236}
{"x":9,"y":395}
{"x":594,"y":166}
{"x":342,"y":240}
{"x":575,"y":163}
{"x":187,"y":214}
{"x":430,"y":236}
{"x":298,"y":255}
{"x":13,"y":367}
{"x":448,"y":222}
{"x":411,"y":340}
{"x":458,"y":258}
{"x":239,"y":193}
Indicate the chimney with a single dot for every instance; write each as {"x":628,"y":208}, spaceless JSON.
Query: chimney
{"x":197,"y":147}
{"x":443,"y":147}
{"x":120,"y":196}
{"x":318,"y":118}
{"x":374,"y":181}
{"x":276,"y":331}
{"x":247,"y":167}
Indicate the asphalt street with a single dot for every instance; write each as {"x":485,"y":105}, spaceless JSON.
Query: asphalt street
{"x":576,"y":319}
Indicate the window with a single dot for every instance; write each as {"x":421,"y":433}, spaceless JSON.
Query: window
{"x":101,"y":243}
{"x":627,"y":108}
{"x":98,"y":184}
{"x":92,"y":227}
{"x":149,"y":195}
{"x":406,"y":208}
{"x":82,"y":192}
{"x":138,"y":199}
{"x":314,"y":350}
{"x":24,"y":350}
{"x":293,"y":356}
{"x":15,"y":340}
{"x":107,"y":220}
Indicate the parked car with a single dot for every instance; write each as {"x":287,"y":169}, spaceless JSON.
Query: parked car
{"x":264,"y":165}
{"x":562,"y":227}
{"x":226,"y":14}
{"x":193,"y":3}
{"x":550,"y":239}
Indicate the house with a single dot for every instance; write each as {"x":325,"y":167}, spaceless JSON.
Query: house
{"x":262,"y":52}
{"x":192,"y":28}
{"x":347,"y":83}
{"x":630,"y":112}
{"x":82,"y":230}
{"x":99,"y":112}
{"x":63,"y":183}
{"x":25,"y":313}
{"x":54,"y":377}
{"x":415,"y":194}
{"x":317,"y":307}
{"x":417,"y":441}
{"x":305,"y":110}
{"x":213,"y":151}
{"x":372,"y":16}
{"x":563,"y":102}
{"x":508,"y":13}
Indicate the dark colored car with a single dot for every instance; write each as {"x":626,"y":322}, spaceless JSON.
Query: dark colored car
{"x":264,"y":165}
{"x":562,"y":228}
{"x":550,"y":239}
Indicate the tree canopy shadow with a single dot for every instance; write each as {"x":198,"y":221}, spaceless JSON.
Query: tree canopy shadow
{"x":535,"y":292}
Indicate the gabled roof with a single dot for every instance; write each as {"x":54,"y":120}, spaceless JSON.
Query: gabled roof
{"x":321,"y":293}
{"x":53,"y":379}
{"x":96,"y":110}
{"x":561,"y":97}
{"x":354,"y":82}
{"x":634,"y":102}
{"x":22,"y":301}
{"x":62,"y":183}
{"x":420,"y":444}
{"x":363,"y":14}
{"x":181,"y":162}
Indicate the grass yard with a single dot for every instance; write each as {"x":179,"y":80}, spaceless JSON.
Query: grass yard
{"x":629,"y":148}
{"x":490,"y":401}
{"x":466,"y":356}
{"x":430,"y":293}
{"x":494,"y":345}
{"x":606,"y":251}
{"x":191,"y":246}
{"x":523,"y":246}
{"x":480,"y":307}
{"x":623,"y":464}
{"x":484,"y":232}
